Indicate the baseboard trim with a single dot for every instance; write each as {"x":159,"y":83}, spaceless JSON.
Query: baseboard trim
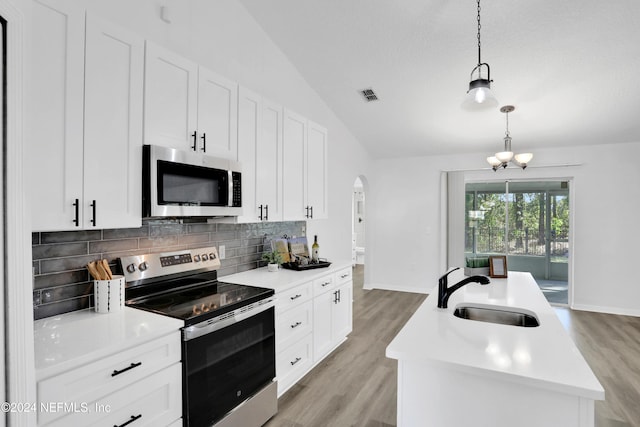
{"x":607,"y":310}
{"x":398,"y":288}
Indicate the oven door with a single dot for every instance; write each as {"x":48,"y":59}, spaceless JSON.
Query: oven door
{"x":223,"y":368}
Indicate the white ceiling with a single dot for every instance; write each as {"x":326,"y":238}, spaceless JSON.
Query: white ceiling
{"x":570,"y":67}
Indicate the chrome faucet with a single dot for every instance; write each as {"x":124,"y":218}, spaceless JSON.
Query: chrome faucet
{"x":444,"y":291}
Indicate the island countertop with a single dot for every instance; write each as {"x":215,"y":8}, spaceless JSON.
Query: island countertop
{"x":544,"y":357}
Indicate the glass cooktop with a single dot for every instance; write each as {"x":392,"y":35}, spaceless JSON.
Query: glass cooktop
{"x":195,"y":303}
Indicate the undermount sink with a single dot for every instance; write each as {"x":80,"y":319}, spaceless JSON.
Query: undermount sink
{"x":497,"y":315}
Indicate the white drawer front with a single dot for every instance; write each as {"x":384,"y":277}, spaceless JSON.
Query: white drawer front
{"x":324,"y":284}
{"x":153,"y":401}
{"x":293,"y":325}
{"x":293,"y":362}
{"x":293,"y":297}
{"x":94,"y":380}
{"x":344,"y":275}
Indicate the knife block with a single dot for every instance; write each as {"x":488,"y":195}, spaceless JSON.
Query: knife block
{"x":108,"y":295}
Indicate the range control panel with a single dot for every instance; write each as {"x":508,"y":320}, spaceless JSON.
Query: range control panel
{"x":147,"y":266}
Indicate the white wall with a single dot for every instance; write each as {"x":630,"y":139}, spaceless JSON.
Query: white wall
{"x":404,"y":220}
{"x":222,"y":36}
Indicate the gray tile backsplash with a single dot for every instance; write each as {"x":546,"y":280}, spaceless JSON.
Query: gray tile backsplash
{"x":61,"y":282}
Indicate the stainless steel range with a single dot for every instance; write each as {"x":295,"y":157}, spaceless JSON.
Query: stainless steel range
{"x":228,"y":338}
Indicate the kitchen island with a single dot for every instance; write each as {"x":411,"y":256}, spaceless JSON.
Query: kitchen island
{"x":454,"y":371}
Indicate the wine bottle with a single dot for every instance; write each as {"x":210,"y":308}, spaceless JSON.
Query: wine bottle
{"x":315,"y":249}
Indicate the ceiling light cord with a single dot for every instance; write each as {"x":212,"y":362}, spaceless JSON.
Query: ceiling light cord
{"x":479,"y":26}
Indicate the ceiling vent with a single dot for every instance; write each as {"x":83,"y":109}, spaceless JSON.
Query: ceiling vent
{"x":369,"y":95}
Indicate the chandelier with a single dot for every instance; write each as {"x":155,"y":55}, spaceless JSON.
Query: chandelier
{"x":479,"y":95}
{"x":502,"y":158}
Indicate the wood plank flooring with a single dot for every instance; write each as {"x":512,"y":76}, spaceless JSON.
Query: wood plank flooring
{"x":356,"y":384}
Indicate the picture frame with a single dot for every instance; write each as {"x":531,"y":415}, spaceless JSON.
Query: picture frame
{"x":498,"y":266}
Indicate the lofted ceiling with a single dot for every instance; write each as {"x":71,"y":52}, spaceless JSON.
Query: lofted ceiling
{"x":571,"y":69}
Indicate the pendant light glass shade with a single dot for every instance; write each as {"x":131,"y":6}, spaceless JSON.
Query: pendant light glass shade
{"x":523,"y":159}
{"x":479,"y":96}
{"x":504,"y":156}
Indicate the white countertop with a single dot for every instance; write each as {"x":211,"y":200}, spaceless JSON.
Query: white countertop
{"x":68,"y":340}
{"x":543,"y":356}
{"x":282,"y":279}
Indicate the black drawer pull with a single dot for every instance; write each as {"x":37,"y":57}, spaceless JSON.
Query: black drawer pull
{"x":76,"y":205}
{"x":296,"y":361}
{"x":295,"y":325}
{"x":326,"y":284}
{"x":133,"y":365}
{"x":133,"y":418}
{"x":295,"y":297}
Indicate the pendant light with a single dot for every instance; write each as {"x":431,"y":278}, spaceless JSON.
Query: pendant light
{"x":502,"y":158}
{"x":479,"y":95}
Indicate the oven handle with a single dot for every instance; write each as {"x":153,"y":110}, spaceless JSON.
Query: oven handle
{"x":227,"y":319}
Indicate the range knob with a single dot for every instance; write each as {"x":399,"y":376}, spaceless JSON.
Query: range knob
{"x":212,"y":255}
{"x":131,"y":268}
{"x":196,"y":258}
{"x":143,"y":266}
{"x":205,"y":257}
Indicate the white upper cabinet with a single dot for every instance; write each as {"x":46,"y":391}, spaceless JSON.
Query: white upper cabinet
{"x":305,"y":168}
{"x":260,"y":151}
{"x":56,"y":110}
{"x":170,"y":99}
{"x":294,"y":166}
{"x":269,"y":162}
{"x":317,"y":171}
{"x":188,"y":107}
{"x":217,"y":115}
{"x":114,"y":69}
{"x":86,"y":134}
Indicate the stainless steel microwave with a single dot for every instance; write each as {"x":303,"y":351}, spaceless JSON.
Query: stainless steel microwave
{"x":180,"y":183}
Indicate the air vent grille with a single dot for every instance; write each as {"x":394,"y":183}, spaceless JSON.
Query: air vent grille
{"x":369,"y":95}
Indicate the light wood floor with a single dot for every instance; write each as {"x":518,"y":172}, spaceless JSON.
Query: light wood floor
{"x":356,"y":384}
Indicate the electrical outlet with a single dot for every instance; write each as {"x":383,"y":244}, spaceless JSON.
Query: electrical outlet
{"x":221,"y":252}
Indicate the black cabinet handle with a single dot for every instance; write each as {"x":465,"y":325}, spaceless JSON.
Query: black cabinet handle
{"x":204,"y":142}
{"x":335,"y":297}
{"x":295,"y":297}
{"x":339,"y":296}
{"x":76,"y":221}
{"x":260,"y":217}
{"x":296,"y":361}
{"x":307,"y":214}
{"x":133,"y":418}
{"x":194,"y":135}
{"x":295,"y":325}
{"x":311,"y":212}
{"x":93,"y":215}
{"x":133,"y":365}
{"x":266,"y":212}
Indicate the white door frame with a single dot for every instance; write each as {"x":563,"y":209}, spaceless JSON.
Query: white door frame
{"x":18,"y":288}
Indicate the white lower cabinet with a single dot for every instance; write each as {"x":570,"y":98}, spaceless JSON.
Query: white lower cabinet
{"x":332,"y":310}
{"x":142,"y":384}
{"x":312,"y":319}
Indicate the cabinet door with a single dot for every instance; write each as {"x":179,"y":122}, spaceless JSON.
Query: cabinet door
{"x":54,"y":132}
{"x":322,"y":328}
{"x":249,"y":124}
{"x":113,"y":126}
{"x":170,"y":98}
{"x":269,"y":162}
{"x":217,"y":115}
{"x":294,"y":166}
{"x":342,"y":318}
{"x":317,"y":171}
